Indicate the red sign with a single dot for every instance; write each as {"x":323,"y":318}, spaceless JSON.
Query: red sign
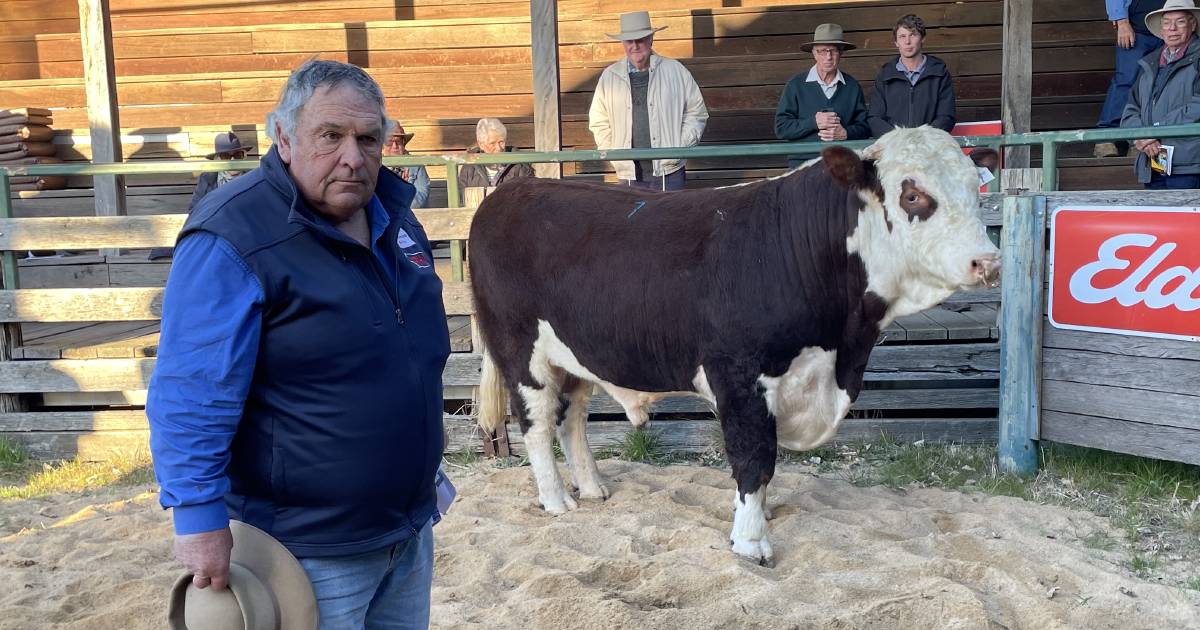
{"x":1133,"y":271}
{"x":981,"y":128}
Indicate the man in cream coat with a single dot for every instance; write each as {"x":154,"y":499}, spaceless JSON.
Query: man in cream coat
{"x":646,"y":101}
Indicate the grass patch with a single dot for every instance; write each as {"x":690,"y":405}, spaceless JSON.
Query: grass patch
{"x":1193,"y":583}
{"x":642,"y":445}
{"x":31,"y":480}
{"x":12,"y":455}
{"x":463,"y":458}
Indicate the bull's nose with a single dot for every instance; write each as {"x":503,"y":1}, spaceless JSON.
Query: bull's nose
{"x":986,"y":270}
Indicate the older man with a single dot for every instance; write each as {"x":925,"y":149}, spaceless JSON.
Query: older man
{"x":491,"y":136}
{"x":825,"y":104}
{"x":913,"y":88}
{"x":646,"y":101}
{"x":397,"y":144}
{"x":1165,"y":93}
{"x":298,"y":385}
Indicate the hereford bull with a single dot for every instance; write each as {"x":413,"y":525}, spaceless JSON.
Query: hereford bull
{"x":764,"y":299}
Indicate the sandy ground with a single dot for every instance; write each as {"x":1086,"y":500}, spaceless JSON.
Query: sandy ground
{"x":654,"y":556}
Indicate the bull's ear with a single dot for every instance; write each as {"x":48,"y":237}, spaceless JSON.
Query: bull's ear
{"x":985,"y":157}
{"x":872,"y":152}
{"x":844,"y":166}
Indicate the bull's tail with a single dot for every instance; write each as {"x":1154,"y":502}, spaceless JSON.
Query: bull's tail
{"x":492,"y":404}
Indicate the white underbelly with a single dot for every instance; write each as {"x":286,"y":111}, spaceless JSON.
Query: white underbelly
{"x":806,"y":401}
{"x":549,"y":350}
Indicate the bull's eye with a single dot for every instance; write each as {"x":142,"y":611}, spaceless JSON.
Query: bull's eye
{"x":912,"y":198}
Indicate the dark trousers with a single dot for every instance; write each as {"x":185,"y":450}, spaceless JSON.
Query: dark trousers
{"x":1123,"y":77}
{"x":673,"y":181}
{"x":1173,"y":182}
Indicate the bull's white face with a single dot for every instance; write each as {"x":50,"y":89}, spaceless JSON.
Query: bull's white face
{"x":926,"y":240}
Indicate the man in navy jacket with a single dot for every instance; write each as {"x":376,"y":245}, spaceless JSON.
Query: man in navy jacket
{"x":913,"y":88}
{"x":298,"y":386}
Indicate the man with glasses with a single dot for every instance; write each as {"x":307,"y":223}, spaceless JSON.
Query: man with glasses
{"x":825,"y":104}
{"x":397,"y":144}
{"x":1165,"y":93}
{"x":226,"y":146}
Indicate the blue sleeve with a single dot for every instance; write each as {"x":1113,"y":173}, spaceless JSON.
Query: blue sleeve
{"x":1117,"y":9}
{"x":421,"y":183}
{"x":207,"y":350}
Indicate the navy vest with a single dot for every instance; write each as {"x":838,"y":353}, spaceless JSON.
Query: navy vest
{"x":342,"y":430}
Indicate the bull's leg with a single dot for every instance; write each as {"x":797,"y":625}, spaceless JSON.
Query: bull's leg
{"x":751,"y":446}
{"x":572,"y":436}
{"x":542,"y":407}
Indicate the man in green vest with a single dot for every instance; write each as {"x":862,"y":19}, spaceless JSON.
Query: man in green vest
{"x":825,"y":104}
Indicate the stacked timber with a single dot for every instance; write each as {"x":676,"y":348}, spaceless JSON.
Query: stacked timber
{"x":25,"y":140}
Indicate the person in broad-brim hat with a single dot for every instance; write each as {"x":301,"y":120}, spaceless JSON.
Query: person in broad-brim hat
{"x":1164,"y":94}
{"x":646,"y":101}
{"x":397,"y":145}
{"x":268,"y":590}
{"x":824,"y":104}
{"x":226,"y":146}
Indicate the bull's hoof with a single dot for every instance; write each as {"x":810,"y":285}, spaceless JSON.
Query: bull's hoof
{"x":599,"y":493}
{"x":756,"y":551}
{"x":561,"y":506}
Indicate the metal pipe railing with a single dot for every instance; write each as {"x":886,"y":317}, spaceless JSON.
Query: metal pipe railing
{"x":1048,"y":140}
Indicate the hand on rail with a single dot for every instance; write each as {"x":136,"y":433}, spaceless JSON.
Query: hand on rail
{"x":1125,"y":34}
{"x":1150,"y":147}
{"x":832,"y":134}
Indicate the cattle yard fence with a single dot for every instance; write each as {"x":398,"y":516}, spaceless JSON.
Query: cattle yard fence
{"x":941,"y":375}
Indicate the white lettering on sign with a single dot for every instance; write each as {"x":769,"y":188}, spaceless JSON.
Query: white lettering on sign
{"x":1126,"y":292}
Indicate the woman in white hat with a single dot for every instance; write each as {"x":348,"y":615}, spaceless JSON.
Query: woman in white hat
{"x":1164,"y":93}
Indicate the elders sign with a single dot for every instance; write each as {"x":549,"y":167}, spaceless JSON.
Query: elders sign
{"x":1132,"y":271}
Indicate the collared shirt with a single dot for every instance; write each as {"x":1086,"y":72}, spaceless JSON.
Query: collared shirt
{"x":913,"y":75}
{"x":828,"y":88}
{"x":1166,"y":57}
{"x":211,"y":324}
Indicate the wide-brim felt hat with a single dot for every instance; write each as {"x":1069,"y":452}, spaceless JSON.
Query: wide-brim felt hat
{"x":829,"y":34}
{"x":268,"y":590}
{"x":399,"y":131}
{"x":635,"y":25}
{"x":227,"y":142}
{"x":1154,"y":18}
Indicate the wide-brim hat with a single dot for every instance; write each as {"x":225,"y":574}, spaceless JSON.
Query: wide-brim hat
{"x":399,"y":131}
{"x":227,"y":142}
{"x":268,"y":590}
{"x":635,"y":25}
{"x":830,"y":34}
{"x":1154,"y":19}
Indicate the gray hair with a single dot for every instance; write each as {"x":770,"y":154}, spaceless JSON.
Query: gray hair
{"x":314,"y":74}
{"x":486,"y":127}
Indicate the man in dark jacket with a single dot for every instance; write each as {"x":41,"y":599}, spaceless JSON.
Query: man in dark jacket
{"x":825,"y":104}
{"x":1166,"y":92}
{"x":914,"y":88}
{"x":298,"y":385}
{"x":492,"y":137}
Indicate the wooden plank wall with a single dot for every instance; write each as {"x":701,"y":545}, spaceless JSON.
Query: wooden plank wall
{"x":1120,"y":393}
{"x":183,"y":66}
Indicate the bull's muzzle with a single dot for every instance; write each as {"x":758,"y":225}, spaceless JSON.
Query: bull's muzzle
{"x":986,"y":270}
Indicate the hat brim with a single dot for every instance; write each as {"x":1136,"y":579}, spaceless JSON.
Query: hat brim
{"x":239,"y":147}
{"x":808,"y":46}
{"x":407,"y":137}
{"x":631,"y":35}
{"x":275,"y":566}
{"x":1155,"y":24}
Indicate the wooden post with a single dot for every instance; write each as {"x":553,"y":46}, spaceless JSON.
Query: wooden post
{"x":10,"y":334}
{"x":100,"y":84}
{"x":547,"y":123}
{"x":1016,"y":107}
{"x":1024,"y":257}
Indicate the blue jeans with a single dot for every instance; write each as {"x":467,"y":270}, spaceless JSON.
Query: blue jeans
{"x":380,"y":590}
{"x":1123,"y":77}
{"x":1173,"y":182}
